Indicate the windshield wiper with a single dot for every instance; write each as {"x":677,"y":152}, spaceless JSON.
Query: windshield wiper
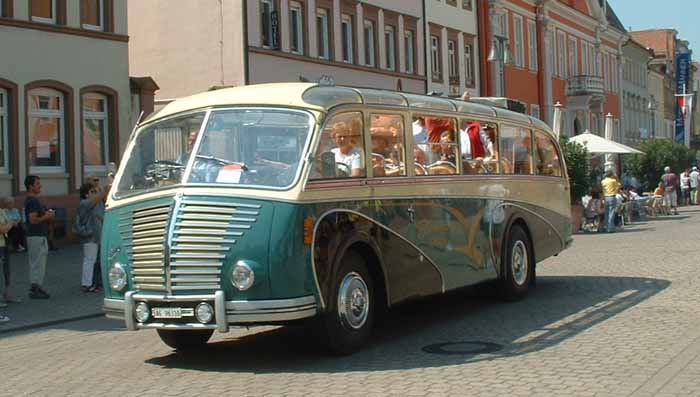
{"x":223,"y":161}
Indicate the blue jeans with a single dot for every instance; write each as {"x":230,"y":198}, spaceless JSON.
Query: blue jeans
{"x":610,"y":204}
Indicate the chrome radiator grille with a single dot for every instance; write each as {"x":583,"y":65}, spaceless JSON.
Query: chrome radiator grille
{"x":204,"y":233}
{"x":144,"y":233}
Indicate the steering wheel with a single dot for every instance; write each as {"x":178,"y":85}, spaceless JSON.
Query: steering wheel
{"x":419,"y":169}
{"x":343,"y":168}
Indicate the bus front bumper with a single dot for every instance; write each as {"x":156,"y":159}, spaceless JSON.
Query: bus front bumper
{"x":225,"y":312}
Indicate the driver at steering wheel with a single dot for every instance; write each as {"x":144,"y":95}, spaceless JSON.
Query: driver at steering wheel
{"x":345,"y":136}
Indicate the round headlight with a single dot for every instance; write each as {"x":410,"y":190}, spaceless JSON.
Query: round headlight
{"x":117,"y":277}
{"x":142,"y":313}
{"x":204,"y":313}
{"x":242,"y":276}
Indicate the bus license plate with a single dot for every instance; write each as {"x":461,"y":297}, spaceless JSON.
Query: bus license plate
{"x":167,"y":312}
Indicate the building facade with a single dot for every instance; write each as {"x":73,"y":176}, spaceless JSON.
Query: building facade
{"x":376,"y":43}
{"x":65,"y":96}
{"x":637,"y":101}
{"x":546,"y":51}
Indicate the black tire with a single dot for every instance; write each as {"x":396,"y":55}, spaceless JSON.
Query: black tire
{"x":344,"y":329}
{"x":518,"y":265}
{"x":185,"y":340}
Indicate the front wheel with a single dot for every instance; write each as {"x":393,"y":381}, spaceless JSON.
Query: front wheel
{"x":347,"y":325}
{"x":185,"y":340}
{"x":518,"y":265}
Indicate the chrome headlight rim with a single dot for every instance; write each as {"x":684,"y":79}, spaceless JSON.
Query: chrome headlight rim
{"x":117,"y":277}
{"x":209,"y":315}
{"x":239,"y":268}
{"x":142,"y":312}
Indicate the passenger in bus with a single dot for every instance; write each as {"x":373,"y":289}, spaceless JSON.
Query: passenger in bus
{"x":386,"y":148}
{"x":420,"y":132}
{"x":476,"y":142}
{"x":348,"y":158}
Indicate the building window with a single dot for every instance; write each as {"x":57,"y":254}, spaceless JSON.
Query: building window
{"x":518,"y":41}
{"x":266,"y":10}
{"x":561,"y":54}
{"x":535,"y":111}
{"x":436,"y":65}
{"x":451,"y":2}
{"x":323,"y":34}
{"x":467,"y":4}
{"x":296,"y":15}
{"x":409,"y":51}
{"x":42,"y":11}
{"x":469,"y":64}
{"x":584,"y":58}
{"x":390,"y":47}
{"x":532,"y":44}
{"x":452,"y":58}
{"x":4,"y":128}
{"x":95,"y":130}
{"x":573,"y":56}
{"x":369,"y":43}
{"x":347,"y":32}
{"x":46,"y":130}
{"x":92,"y":14}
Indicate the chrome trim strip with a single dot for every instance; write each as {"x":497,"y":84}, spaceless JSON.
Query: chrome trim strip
{"x":179,"y":327}
{"x":388,"y":295}
{"x":272,"y":317}
{"x":220,"y":311}
{"x":129,"y":319}
{"x":270,"y":304}
{"x":221,"y":204}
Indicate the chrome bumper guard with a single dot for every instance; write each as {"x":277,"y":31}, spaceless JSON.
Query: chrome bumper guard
{"x":226,"y":312}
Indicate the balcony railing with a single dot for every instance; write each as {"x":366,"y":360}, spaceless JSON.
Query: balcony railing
{"x":584,"y":85}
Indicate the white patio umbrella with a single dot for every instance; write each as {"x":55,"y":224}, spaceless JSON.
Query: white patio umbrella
{"x":598,"y":144}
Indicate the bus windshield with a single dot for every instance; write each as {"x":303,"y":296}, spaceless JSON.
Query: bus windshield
{"x":253,"y":147}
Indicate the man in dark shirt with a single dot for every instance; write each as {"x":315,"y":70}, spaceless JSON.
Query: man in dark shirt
{"x":37,"y":233}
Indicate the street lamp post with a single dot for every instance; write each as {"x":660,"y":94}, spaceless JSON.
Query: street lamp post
{"x":652,"y":110}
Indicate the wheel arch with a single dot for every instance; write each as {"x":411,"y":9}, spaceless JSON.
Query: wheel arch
{"x":519,"y":220}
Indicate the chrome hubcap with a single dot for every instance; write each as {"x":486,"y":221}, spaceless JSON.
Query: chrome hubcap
{"x":353,"y":301}
{"x":519,"y":262}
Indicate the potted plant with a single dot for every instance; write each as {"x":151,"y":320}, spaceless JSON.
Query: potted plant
{"x":578,"y":169}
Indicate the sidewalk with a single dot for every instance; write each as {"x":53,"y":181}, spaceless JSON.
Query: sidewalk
{"x":63,"y":271}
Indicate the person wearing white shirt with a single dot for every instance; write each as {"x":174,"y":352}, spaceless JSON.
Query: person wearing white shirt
{"x":694,"y":185}
{"x":346,"y":153}
{"x":466,"y":142}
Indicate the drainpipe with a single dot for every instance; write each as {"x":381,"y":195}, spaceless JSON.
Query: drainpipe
{"x":426,"y":35}
{"x":246,"y":57}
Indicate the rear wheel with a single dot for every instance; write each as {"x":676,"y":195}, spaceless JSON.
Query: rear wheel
{"x":348,"y":323}
{"x":518,"y":265}
{"x":185,"y":340}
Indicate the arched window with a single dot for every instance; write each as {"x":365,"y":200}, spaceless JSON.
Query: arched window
{"x":46,"y":130}
{"x":4,"y":128}
{"x":95,"y":131}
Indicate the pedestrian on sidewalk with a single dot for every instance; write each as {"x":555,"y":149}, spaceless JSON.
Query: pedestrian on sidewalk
{"x":670,"y":181}
{"x":88,"y":227}
{"x":685,"y":187}
{"x":694,"y":185}
{"x":611,"y":186}
{"x":95,"y":182}
{"x":7,"y":223}
{"x":37,"y":236}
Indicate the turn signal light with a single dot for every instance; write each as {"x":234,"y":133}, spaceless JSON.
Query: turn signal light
{"x":308,"y":230}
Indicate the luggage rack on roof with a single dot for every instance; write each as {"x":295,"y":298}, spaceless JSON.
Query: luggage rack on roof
{"x":498,"y":102}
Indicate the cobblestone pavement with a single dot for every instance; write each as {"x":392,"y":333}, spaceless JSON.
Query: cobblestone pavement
{"x":615,"y":315}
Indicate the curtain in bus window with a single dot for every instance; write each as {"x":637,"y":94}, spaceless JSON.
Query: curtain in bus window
{"x":387,"y":145}
{"x":435,"y":145}
{"x":478,"y":147}
{"x":516,"y":148}
{"x":546,"y":156}
{"x":340,"y":153}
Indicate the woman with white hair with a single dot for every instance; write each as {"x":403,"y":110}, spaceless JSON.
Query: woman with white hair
{"x":670,"y":181}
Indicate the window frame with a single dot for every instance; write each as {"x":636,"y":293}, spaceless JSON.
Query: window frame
{"x":496,"y":156}
{"x":562,"y":171}
{"x":467,"y":5}
{"x":266,"y":22}
{"x":409,"y":38}
{"x":347,"y":38}
{"x":4,"y":125}
{"x":324,"y":49}
{"x":469,"y":64}
{"x":105,"y":116}
{"x":435,"y":58}
{"x":101,"y":18}
{"x":502,"y":128}
{"x":367,"y":125}
{"x":296,"y":16}
{"x":369,"y":31}
{"x":51,"y":21}
{"x":414,"y":115}
{"x":519,"y":40}
{"x":573,"y":55}
{"x":535,"y":107}
{"x":313,"y":151}
{"x":533,"y":52}
{"x":62,"y":118}
{"x":453,"y":64}
{"x":561,"y":54}
{"x":390,"y":47}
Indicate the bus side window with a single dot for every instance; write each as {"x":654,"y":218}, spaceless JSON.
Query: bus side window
{"x":478,"y":147}
{"x":434,"y":145}
{"x":546,"y":156}
{"x":340,"y":152}
{"x":516,"y":150}
{"x":388,"y":153}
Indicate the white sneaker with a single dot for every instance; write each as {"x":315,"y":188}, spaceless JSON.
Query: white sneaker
{"x":4,"y":319}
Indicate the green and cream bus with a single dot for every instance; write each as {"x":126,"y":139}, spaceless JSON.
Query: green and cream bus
{"x":278,"y":203}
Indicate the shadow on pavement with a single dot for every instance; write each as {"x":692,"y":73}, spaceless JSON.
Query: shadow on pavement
{"x":559,"y":308}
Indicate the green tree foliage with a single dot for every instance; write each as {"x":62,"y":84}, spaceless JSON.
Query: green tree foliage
{"x":578,"y":168}
{"x":659,"y":153}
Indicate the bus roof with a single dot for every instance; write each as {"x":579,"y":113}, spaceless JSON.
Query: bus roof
{"x":323,"y":98}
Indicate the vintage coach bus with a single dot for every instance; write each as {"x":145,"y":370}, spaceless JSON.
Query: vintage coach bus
{"x":274,"y":203}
